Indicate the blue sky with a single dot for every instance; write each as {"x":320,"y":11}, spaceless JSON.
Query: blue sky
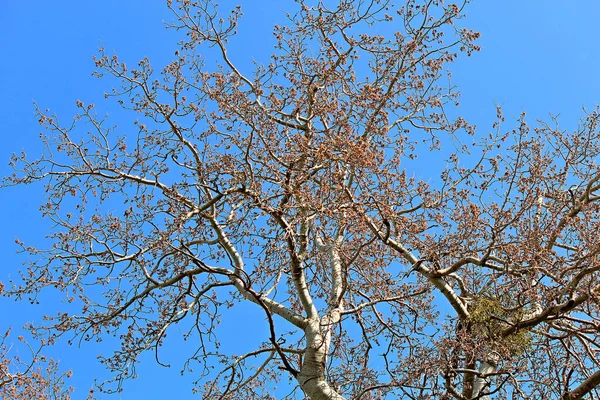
{"x":538,"y":56}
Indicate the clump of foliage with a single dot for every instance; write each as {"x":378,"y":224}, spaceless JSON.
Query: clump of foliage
{"x":489,"y":317}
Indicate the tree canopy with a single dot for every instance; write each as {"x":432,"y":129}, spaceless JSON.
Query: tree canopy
{"x":29,"y":376}
{"x":297,"y":186}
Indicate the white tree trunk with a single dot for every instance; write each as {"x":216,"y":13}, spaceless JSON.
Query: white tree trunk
{"x":485,"y":367}
{"x":312,"y":374}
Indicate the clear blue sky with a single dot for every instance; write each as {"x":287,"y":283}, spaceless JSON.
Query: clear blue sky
{"x":538,"y":56}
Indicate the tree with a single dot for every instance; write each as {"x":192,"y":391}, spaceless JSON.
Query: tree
{"x":296,"y":187}
{"x":36,"y":378}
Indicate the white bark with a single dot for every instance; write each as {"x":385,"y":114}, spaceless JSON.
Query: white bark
{"x":318,"y":331}
{"x":482,"y":383}
{"x":238,"y":263}
{"x":416,"y":264}
{"x":336,"y":305}
{"x":448,"y":291}
{"x":312,"y":375}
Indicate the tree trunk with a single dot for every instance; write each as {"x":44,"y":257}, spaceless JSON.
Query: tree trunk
{"x":312,"y":374}
{"x":486,"y":367}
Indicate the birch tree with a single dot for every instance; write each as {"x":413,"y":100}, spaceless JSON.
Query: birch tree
{"x":394,"y":250}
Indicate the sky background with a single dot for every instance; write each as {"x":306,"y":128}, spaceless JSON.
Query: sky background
{"x":538,"y":56}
